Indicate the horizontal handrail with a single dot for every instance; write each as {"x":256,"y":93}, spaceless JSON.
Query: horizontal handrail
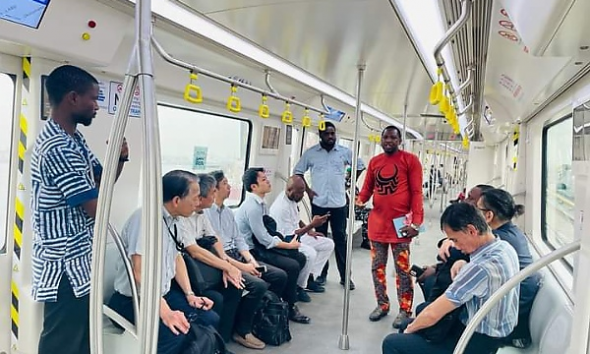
{"x":197,"y":70}
{"x":509,"y":285}
{"x":128,"y":269}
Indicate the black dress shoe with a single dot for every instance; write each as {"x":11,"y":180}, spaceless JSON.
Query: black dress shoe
{"x":296,"y":316}
{"x":314,"y":287}
{"x":352,"y":286}
{"x":302,"y":296}
{"x":377,"y":314}
{"x":321,"y":280}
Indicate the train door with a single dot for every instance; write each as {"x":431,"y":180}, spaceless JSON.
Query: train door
{"x":10,"y":67}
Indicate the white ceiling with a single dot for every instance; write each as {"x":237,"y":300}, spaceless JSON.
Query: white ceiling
{"x":328,"y":39}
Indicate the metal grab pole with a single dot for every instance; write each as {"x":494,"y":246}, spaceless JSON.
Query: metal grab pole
{"x":151,"y":216}
{"x":344,"y":343}
{"x":443,"y":196}
{"x":403,"y":137}
{"x":103,"y":211}
{"x":510,"y":284}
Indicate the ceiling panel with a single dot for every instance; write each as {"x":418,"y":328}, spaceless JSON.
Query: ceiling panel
{"x":328,"y":39}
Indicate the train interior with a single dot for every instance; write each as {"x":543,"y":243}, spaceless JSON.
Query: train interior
{"x":518,"y":70}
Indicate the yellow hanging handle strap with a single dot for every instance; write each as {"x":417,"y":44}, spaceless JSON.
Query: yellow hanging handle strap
{"x":321,"y":123}
{"x":437,"y":90}
{"x":192,"y":92}
{"x":263,"y":110}
{"x":306,"y":120}
{"x":287,"y":116}
{"x":233,"y":102}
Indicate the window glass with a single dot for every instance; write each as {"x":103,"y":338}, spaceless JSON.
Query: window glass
{"x":558,"y":185}
{"x":203,"y":142}
{"x":345,"y":142}
{"x":7,"y":114}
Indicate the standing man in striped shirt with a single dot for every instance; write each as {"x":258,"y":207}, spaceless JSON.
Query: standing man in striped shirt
{"x":65,"y":178}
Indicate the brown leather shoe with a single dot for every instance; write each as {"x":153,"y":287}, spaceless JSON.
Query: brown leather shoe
{"x":249,"y":341}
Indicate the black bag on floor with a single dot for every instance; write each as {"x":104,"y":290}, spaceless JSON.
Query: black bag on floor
{"x":204,"y":340}
{"x":271,"y":321}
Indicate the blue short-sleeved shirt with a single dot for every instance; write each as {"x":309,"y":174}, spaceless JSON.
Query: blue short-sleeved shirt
{"x":63,"y":171}
{"x":490,"y":267}
{"x":328,"y":177}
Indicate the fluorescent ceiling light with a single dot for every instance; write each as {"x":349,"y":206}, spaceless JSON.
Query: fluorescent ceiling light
{"x":224,"y":38}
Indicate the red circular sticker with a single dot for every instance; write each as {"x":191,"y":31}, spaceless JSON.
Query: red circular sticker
{"x":508,"y":35}
{"x":507,"y":24}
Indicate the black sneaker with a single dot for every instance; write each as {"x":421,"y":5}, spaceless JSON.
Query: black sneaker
{"x":352,"y":286}
{"x":314,"y":287}
{"x":302,"y":295}
{"x":321,"y":280}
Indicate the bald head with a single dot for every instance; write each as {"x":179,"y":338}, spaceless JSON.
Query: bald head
{"x":295,"y":188}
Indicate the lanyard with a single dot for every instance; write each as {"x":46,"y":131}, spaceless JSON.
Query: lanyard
{"x":174,"y":235}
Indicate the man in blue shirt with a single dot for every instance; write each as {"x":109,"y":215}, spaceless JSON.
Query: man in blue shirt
{"x":255,"y":281}
{"x":493,"y":263}
{"x":268,"y":248}
{"x":327,"y":162}
{"x":65,"y":177}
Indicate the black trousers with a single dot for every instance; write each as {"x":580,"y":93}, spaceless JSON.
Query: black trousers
{"x":337,"y":221}
{"x":399,"y":343}
{"x":226,"y":303}
{"x":66,"y":326}
{"x":168,"y":342}
{"x":291,"y":266}
{"x":250,"y":303}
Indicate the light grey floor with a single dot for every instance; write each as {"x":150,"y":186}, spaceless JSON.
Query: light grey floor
{"x":322,"y":334}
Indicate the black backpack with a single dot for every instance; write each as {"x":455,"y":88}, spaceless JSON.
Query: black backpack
{"x":204,"y":340}
{"x":271,"y":321}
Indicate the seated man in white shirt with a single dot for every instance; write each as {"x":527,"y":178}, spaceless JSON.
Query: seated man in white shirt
{"x":316,"y":248}
{"x":227,"y":292}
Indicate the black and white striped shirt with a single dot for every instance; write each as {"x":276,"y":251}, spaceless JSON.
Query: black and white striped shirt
{"x":63,"y":171}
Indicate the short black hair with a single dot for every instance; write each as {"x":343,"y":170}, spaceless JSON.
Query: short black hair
{"x":389,"y":127}
{"x":458,"y":216}
{"x":250,"y":177}
{"x":218,"y":175}
{"x":328,"y":125}
{"x":484,"y":187}
{"x":65,"y":79}
{"x":501,"y":204}
{"x":177,"y":184}
{"x":206,"y":183}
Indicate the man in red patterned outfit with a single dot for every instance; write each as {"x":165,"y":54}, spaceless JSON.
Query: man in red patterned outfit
{"x":394,"y":179}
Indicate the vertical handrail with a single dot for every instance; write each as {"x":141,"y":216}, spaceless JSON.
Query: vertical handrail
{"x":151,"y":216}
{"x":103,"y":211}
{"x":509,"y":285}
{"x":128,"y":268}
{"x":344,"y":342}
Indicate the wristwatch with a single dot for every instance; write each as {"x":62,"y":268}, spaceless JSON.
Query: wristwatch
{"x":415,"y":227}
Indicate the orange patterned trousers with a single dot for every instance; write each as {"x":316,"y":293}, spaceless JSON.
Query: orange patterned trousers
{"x":403,"y":279}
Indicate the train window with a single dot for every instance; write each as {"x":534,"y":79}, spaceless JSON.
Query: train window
{"x":557,"y":215}
{"x":202,"y":142}
{"x":6,"y":112}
